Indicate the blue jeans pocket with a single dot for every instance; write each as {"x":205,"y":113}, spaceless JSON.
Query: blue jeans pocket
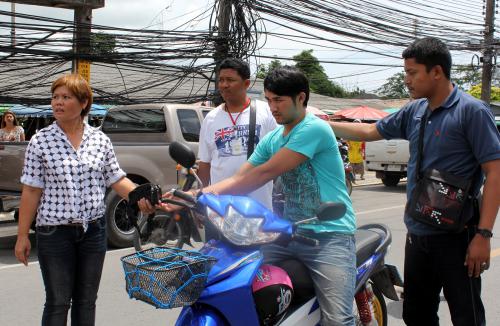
{"x":46,"y":230}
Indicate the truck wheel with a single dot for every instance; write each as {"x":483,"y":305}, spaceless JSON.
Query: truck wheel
{"x":120,"y":230}
{"x":391,"y":180}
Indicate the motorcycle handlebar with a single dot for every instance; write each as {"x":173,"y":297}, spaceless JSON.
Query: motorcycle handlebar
{"x":184,"y":195}
{"x":175,"y":202}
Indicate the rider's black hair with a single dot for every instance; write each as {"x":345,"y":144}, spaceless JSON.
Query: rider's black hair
{"x":430,"y":52}
{"x":241,"y":67}
{"x":287,"y":81}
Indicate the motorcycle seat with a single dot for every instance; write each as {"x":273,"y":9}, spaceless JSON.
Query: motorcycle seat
{"x":366,"y":243}
{"x":303,"y":288}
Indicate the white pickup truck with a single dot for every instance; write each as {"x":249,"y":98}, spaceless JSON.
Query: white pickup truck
{"x":140,"y":135}
{"x":389,"y":159}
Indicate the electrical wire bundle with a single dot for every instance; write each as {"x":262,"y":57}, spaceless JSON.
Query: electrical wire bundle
{"x":128,"y":66}
{"x":155,"y":65}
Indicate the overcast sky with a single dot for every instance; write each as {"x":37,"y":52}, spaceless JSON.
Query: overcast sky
{"x":169,"y":14}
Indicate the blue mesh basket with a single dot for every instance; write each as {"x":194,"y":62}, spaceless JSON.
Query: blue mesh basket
{"x":166,"y":277}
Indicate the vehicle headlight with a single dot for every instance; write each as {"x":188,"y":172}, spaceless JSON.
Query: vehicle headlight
{"x":241,"y":230}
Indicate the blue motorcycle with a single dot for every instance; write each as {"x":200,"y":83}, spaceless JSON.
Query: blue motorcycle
{"x":226,"y":282}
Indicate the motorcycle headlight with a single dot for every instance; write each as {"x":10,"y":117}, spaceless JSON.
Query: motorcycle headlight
{"x":241,"y":230}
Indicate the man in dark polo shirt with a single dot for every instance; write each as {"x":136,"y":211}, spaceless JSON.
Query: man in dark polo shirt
{"x":460,"y":136}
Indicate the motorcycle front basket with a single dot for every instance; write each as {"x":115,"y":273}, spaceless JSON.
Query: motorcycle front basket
{"x":166,"y":277}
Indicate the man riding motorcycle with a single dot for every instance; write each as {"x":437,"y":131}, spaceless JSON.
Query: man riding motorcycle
{"x":304,"y":152}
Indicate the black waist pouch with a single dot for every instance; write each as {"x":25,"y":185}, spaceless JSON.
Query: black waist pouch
{"x":442,"y":200}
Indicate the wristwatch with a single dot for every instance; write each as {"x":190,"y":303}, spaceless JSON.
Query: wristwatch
{"x":485,"y":233}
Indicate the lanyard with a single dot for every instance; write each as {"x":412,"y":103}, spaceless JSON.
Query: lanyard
{"x":231,"y":116}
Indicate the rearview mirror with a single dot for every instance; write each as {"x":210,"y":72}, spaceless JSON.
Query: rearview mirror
{"x":182,"y":154}
{"x":331,"y":211}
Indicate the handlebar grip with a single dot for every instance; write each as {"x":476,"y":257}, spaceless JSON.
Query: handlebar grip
{"x":305,"y":240}
{"x":175,"y":202}
{"x":183,"y":195}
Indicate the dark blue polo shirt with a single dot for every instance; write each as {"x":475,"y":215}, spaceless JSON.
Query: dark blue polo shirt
{"x":459,"y":136}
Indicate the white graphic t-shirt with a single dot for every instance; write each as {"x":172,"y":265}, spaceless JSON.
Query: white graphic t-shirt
{"x":224,"y":144}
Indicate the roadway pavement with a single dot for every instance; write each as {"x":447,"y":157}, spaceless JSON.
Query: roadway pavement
{"x":22,"y":291}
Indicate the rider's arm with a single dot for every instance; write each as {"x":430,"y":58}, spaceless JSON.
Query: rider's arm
{"x":204,"y":172}
{"x":251,"y":177}
{"x":356,"y":131}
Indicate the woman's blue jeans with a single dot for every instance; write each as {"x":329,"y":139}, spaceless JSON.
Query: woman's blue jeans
{"x":71,"y":262}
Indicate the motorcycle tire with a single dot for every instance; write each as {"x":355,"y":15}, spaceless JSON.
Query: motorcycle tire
{"x":379,"y":307}
{"x":160,"y":231}
{"x":348,"y":184}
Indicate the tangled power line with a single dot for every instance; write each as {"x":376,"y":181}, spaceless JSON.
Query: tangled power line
{"x":155,"y":65}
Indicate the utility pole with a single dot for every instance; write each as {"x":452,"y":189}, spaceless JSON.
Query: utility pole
{"x":222,"y":42}
{"x":81,"y":41}
{"x":489,"y":30}
{"x":13,"y":23}
{"x":82,"y":21}
{"x":415,"y":28}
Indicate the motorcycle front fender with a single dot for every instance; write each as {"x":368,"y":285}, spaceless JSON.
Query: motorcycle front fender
{"x":386,"y":279}
{"x":200,"y":315}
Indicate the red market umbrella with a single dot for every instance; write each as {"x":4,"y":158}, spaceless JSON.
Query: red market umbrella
{"x":361,"y":113}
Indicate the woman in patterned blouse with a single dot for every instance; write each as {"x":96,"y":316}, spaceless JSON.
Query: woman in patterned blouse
{"x":68,"y":166}
{"x":10,"y":129}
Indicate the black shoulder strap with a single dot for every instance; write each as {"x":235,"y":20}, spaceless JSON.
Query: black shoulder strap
{"x":251,"y":131}
{"x":420,"y":152}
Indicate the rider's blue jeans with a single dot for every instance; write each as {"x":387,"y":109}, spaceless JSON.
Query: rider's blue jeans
{"x":71,"y":262}
{"x":332,"y":266}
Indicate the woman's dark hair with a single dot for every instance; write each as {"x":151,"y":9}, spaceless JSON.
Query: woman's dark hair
{"x":430,"y":52}
{"x":4,"y":124}
{"x":241,"y":67}
{"x":287,"y":81}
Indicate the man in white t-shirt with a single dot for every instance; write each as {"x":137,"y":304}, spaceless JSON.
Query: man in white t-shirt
{"x":225,"y":130}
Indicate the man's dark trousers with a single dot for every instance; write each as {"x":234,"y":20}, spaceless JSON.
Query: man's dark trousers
{"x":436,"y":262}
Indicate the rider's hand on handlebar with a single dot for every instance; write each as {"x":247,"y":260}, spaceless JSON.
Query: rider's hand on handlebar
{"x":167,"y":207}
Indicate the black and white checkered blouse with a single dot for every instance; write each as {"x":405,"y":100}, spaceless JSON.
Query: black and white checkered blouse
{"x":73,"y":182}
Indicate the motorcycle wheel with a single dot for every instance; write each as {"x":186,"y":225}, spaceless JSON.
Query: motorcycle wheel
{"x":348,"y":184}
{"x":160,"y":231}
{"x":378,"y":308}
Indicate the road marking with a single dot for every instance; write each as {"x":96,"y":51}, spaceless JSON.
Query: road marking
{"x":495,"y":252}
{"x":36,"y":262}
{"x":379,"y":210}
{"x":19,"y":265}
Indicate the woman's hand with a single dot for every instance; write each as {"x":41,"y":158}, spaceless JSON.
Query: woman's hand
{"x":23,"y":249}
{"x":145,"y":206}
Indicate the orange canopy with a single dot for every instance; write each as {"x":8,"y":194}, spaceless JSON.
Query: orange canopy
{"x":361,"y":113}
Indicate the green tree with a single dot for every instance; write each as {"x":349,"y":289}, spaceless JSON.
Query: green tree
{"x":263,"y":70}
{"x":356,"y":93}
{"x":318,"y":80}
{"x":464,"y":76}
{"x":476,"y":92}
{"x":102,"y":43}
{"x":394,"y":87}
